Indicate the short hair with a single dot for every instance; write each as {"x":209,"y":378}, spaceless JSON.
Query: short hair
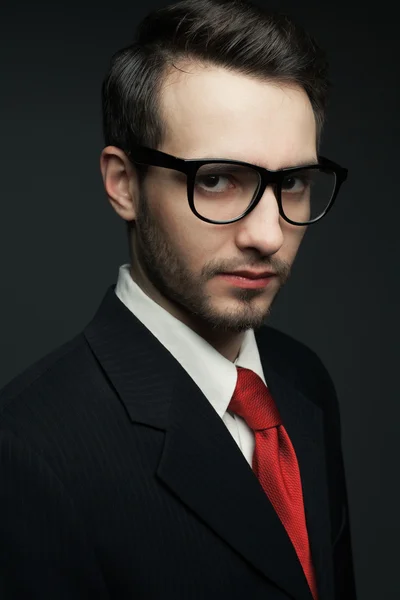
{"x":234,"y":34}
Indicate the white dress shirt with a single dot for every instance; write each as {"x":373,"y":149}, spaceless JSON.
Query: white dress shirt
{"x":214,"y":374}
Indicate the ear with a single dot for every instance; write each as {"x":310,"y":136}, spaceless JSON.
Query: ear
{"x":120,"y":182}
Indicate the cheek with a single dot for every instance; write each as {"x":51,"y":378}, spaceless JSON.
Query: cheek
{"x":186,"y":238}
{"x":200,"y":247}
{"x":197,"y":245}
{"x":196,"y":241}
{"x":293,"y":237}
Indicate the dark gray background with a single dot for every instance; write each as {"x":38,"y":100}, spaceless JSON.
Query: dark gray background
{"x":61,"y":243}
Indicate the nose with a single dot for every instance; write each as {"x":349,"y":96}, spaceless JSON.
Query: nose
{"x":262,"y":227}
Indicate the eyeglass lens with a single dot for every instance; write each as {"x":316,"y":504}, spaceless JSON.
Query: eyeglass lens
{"x":223,"y":192}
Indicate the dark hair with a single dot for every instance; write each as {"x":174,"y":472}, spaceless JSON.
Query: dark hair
{"x":233,"y":34}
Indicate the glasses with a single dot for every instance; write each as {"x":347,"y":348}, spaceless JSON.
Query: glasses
{"x":223,"y":191}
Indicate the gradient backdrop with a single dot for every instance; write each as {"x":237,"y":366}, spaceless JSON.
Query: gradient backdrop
{"x":61,"y":242}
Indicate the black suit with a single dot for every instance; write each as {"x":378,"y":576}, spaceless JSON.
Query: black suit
{"x":119,"y":480}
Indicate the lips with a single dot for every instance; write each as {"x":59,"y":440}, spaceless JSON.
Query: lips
{"x":251,"y":274}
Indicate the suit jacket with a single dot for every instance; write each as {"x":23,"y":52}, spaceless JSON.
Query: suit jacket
{"x":119,"y":480}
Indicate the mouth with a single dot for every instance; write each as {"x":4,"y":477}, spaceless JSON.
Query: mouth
{"x":247,"y":282}
{"x":250,"y":274}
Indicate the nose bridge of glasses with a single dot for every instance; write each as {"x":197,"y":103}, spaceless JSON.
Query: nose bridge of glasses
{"x":266,"y":196}
{"x":268,"y":182}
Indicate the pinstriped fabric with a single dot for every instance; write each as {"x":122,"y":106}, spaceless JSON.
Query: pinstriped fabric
{"x":93,"y":521}
{"x":35,"y":523}
{"x":117,"y":477}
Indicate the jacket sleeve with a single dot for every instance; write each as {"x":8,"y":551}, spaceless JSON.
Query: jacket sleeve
{"x":44,"y":551}
{"x":342,"y":552}
{"x":345,"y":588}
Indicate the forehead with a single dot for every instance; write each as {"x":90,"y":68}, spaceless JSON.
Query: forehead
{"x":212,"y":112}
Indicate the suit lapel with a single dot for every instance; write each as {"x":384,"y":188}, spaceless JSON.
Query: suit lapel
{"x":204,"y":467}
{"x":201,"y":463}
{"x":303,"y":421}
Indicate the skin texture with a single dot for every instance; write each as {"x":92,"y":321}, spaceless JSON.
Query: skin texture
{"x":211,"y":112}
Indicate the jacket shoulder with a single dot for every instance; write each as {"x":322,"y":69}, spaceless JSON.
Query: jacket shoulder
{"x":38,"y":370}
{"x":283,"y":349}
{"x":297,"y":363}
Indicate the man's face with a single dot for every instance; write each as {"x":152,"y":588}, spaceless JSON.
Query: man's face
{"x":213,"y":113}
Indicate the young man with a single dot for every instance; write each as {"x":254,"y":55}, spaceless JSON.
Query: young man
{"x":178,"y":448}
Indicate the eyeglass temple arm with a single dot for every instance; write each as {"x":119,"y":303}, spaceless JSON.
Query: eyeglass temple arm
{"x":342,"y":172}
{"x":156,"y":158}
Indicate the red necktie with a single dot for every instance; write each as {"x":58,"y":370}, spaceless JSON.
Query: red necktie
{"x":275,"y":463}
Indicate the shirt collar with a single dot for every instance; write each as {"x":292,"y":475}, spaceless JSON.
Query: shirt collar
{"x":214,"y":374}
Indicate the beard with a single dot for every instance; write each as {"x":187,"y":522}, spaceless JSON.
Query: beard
{"x":165,"y":267}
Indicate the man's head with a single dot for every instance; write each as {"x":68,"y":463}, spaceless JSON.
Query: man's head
{"x":209,"y":79}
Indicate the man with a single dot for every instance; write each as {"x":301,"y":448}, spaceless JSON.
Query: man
{"x":178,"y":448}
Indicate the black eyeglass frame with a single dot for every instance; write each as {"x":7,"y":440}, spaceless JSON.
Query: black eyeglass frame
{"x":190,"y":166}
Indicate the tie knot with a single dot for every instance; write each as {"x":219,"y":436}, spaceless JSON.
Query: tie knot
{"x":253,"y":402}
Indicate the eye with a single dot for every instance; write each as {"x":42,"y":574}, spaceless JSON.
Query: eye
{"x":213,"y":182}
{"x":296,"y":183}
